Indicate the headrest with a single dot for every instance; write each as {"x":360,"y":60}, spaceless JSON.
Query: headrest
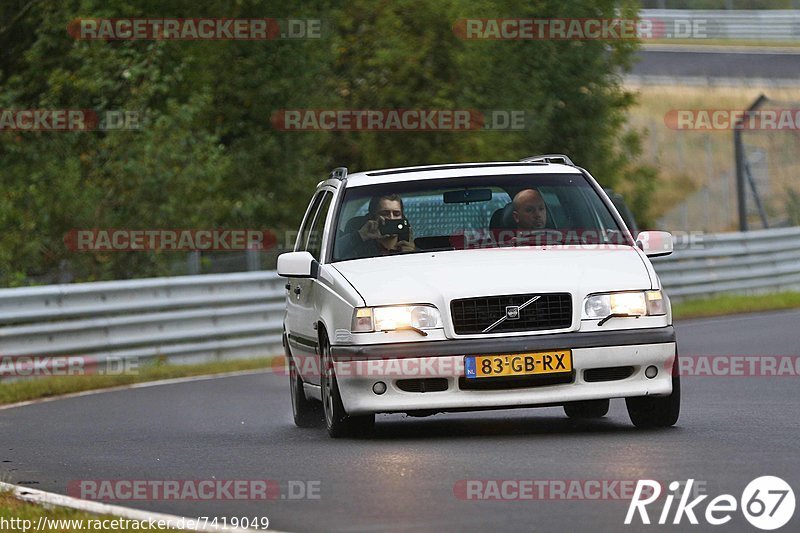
{"x":355,"y":223}
{"x":503,"y":218}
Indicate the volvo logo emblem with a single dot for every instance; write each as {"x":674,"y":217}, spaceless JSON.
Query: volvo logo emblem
{"x":512,"y":313}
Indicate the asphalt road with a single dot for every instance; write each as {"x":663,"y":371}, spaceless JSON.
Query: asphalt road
{"x":723,"y":64}
{"x":731,"y":431}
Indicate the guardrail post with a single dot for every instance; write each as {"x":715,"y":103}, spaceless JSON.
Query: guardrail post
{"x":253,"y":259}
{"x":738,"y":151}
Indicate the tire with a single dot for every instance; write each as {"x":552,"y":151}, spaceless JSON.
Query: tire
{"x":307,"y":413}
{"x":337,"y":421}
{"x":587,"y":409}
{"x":657,"y":411}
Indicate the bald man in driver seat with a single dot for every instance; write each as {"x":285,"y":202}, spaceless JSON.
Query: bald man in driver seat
{"x":529,"y":212}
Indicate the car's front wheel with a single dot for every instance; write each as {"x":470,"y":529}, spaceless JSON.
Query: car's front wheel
{"x":656,"y":411}
{"x":338,"y":422}
{"x":587,"y":409}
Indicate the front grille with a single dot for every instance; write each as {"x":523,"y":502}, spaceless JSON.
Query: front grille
{"x":422,"y":385}
{"x":515,"y":382}
{"x":473,"y":315}
{"x":611,"y":373}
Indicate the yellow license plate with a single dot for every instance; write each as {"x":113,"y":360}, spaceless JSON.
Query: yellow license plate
{"x":519,"y":364}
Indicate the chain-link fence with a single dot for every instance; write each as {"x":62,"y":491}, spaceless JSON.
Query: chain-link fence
{"x":768,"y":166}
{"x":749,"y":179}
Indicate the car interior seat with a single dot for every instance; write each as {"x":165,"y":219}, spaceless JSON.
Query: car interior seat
{"x":355,"y":223}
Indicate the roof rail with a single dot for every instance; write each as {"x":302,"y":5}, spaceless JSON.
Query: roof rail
{"x":339,"y":173}
{"x":549,"y":158}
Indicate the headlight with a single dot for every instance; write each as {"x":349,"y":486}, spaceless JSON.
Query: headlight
{"x":599,"y":306}
{"x":392,"y":317}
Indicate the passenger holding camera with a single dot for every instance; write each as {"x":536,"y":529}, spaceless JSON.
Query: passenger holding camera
{"x":385,"y":232}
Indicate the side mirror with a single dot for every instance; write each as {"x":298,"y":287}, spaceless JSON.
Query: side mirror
{"x":654,"y":243}
{"x":297,"y":265}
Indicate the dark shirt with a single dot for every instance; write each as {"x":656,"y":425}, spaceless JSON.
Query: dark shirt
{"x":352,"y":246}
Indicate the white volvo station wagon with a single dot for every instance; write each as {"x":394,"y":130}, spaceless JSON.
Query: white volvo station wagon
{"x":474,"y":286}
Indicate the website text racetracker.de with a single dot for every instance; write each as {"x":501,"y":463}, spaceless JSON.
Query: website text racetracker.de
{"x":387,"y":120}
{"x":22,"y":120}
{"x":127,"y":239}
{"x":556,"y":29}
{"x":30,"y":366}
{"x":573,"y":239}
{"x":193,"y":489}
{"x":414,"y":366}
{"x":552,"y":489}
{"x":46,"y":524}
{"x":419,"y":365}
{"x":182,"y":29}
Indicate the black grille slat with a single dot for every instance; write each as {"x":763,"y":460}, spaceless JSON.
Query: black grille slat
{"x":473,"y":315}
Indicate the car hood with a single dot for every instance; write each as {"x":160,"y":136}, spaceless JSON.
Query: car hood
{"x":438,"y":277}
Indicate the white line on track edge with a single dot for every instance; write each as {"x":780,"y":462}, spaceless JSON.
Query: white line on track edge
{"x":141,"y":385}
{"x":40,"y":497}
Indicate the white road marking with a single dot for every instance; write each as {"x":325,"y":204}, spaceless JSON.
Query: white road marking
{"x":42,"y":498}
{"x":142,"y":385}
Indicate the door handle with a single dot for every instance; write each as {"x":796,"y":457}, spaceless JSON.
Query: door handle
{"x":297,"y":290}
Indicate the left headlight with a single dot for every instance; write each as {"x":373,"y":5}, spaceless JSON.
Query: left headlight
{"x":393,"y":317}
{"x":642,"y":303}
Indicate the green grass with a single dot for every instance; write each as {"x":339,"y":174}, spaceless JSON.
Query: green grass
{"x":735,"y":304}
{"x":12,"y":508}
{"x":29,"y":389}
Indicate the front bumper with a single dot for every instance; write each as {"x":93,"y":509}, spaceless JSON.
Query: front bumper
{"x":358,"y":368}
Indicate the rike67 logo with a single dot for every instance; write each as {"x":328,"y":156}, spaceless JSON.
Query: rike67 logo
{"x":767,"y":503}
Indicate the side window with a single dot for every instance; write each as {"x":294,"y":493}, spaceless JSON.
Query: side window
{"x":315,"y":235}
{"x":302,"y":237}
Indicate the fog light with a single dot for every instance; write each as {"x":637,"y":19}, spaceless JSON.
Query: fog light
{"x":651,"y":372}
{"x":379,"y":387}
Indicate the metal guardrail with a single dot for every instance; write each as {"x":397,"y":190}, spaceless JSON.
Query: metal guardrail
{"x":754,"y":261}
{"x":185,"y":319}
{"x":227,"y":316}
{"x":750,"y":24}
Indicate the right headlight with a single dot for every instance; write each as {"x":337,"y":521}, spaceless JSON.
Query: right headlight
{"x":639,"y":303}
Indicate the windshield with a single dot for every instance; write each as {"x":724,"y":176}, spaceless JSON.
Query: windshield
{"x":472,"y":212}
